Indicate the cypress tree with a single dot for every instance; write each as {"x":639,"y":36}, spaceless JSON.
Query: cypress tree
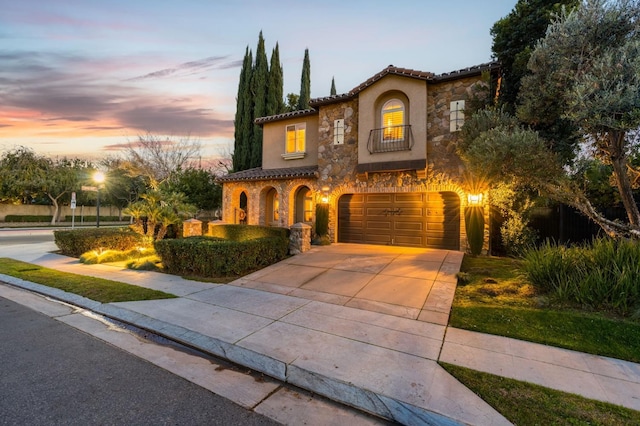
{"x":333,"y":86}
{"x":243,"y":121}
{"x":259,"y":83}
{"x":275,"y":100}
{"x":305,"y":83}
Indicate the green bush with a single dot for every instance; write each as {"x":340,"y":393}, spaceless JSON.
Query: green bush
{"x":603,"y":275}
{"x":69,"y":218}
{"x":105,"y":256}
{"x":217,"y":257}
{"x":247,"y":232}
{"x":322,"y":219}
{"x":27,"y":218}
{"x":78,"y":241}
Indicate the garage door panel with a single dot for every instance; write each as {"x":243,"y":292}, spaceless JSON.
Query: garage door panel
{"x":408,"y":219}
{"x":379,"y":225}
{"x":407,"y":240}
{"x":379,"y":198}
{"x":411,"y":197}
{"x":410,"y":212}
{"x":409,"y":226}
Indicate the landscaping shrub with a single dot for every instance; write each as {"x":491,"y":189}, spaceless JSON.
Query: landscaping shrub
{"x":322,"y":219}
{"x":105,"y":256}
{"x":27,"y":218}
{"x":604,"y":274}
{"x":247,"y":232}
{"x":217,"y":257}
{"x":68,"y":218}
{"x":78,"y":241}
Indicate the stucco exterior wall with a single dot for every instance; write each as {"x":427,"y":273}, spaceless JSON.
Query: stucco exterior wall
{"x":274,"y":140}
{"x":369,"y":104}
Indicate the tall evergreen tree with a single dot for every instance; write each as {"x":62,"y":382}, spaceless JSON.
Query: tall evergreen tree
{"x":333,"y":86}
{"x":259,"y":83}
{"x":243,"y":120}
{"x":305,"y":83}
{"x":275,"y":99}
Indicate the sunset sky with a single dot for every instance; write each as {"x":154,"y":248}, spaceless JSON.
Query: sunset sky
{"x":85,"y":77}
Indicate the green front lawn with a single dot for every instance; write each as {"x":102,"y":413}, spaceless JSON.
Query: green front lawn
{"x":97,"y":289}
{"x":528,"y":404}
{"x":493,"y":296}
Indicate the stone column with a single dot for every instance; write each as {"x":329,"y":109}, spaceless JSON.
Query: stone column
{"x":300,"y":238}
{"x":192,"y":228}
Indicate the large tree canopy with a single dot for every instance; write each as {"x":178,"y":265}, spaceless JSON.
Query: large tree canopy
{"x":587,"y":68}
{"x":514,"y":39}
{"x":25,"y":175}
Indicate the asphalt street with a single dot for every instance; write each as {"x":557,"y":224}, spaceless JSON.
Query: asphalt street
{"x":53,"y":374}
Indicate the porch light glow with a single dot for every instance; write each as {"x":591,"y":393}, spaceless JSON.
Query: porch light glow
{"x":325,"y":195}
{"x":474,"y":199}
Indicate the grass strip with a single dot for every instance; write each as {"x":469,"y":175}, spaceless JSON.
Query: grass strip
{"x":527,"y":404}
{"x":494,"y":297}
{"x":98,"y":289}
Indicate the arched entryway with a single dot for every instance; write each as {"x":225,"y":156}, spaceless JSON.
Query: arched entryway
{"x":272,"y":207}
{"x":303,"y":206}
{"x":243,"y":209}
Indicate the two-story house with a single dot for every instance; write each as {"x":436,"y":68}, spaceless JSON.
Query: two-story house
{"x":380,"y":156}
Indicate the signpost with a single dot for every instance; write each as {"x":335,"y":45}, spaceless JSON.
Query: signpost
{"x":73,"y":209}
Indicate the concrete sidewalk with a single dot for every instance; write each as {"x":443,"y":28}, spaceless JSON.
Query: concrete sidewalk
{"x":359,"y":343}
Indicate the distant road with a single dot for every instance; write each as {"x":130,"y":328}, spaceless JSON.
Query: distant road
{"x":14,"y":237}
{"x":53,"y":374}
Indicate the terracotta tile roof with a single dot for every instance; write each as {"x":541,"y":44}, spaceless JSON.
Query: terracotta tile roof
{"x":290,"y":114}
{"x":259,"y":174}
{"x":465,"y":72}
{"x":390,"y":70}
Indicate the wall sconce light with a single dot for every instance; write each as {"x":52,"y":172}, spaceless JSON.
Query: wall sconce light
{"x":325,"y":194}
{"x":474,"y":199}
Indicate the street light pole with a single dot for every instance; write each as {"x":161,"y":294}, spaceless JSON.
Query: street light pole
{"x":98,"y":178}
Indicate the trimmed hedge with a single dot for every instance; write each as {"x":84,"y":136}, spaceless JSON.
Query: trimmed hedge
{"x":27,"y":218}
{"x":246,"y":249}
{"x":247,"y":232}
{"x":68,"y":218}
{"x":78,"y":241}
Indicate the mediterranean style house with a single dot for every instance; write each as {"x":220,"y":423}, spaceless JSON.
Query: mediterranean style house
{"x":381,"y":157}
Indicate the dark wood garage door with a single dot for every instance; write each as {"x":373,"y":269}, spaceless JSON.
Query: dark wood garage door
{"x":416,"y":219}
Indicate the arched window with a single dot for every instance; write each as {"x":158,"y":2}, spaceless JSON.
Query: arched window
{"x":393,"y":121}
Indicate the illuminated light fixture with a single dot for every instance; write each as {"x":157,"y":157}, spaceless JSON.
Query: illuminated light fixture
{"x":325,"y":194}
{"x":474,"y":199}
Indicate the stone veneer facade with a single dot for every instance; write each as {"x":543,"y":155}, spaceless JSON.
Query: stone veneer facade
{"x":337,"y":164}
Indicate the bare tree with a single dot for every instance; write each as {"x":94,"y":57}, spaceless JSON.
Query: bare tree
{"x":158,"y":157}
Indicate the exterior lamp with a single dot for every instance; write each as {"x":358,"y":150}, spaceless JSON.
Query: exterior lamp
{"x":474,"y":199}
{"x":98,"y":178}
{"x":325,"y":194}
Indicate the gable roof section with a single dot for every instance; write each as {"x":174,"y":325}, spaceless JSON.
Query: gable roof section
{"x":272,"y":174}
{"x":390,"y":70}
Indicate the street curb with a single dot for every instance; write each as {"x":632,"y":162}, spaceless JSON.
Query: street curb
{"x":339,"y":391}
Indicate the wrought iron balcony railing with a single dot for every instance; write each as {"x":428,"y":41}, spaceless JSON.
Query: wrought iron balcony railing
{"x":389,"y":139}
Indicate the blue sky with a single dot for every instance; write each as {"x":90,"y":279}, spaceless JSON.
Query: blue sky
{"x":84,"y":77}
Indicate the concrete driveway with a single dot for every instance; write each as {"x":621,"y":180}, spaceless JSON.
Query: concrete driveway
{"x":401,"y":281}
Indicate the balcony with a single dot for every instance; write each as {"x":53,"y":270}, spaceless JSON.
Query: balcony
{"x":390,"y":139}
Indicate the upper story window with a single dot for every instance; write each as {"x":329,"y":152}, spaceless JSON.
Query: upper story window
{"x":456,"y":116}
{"x":394,"y":133}
{"x":295,"y":144}
{"x":393,"y":121}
